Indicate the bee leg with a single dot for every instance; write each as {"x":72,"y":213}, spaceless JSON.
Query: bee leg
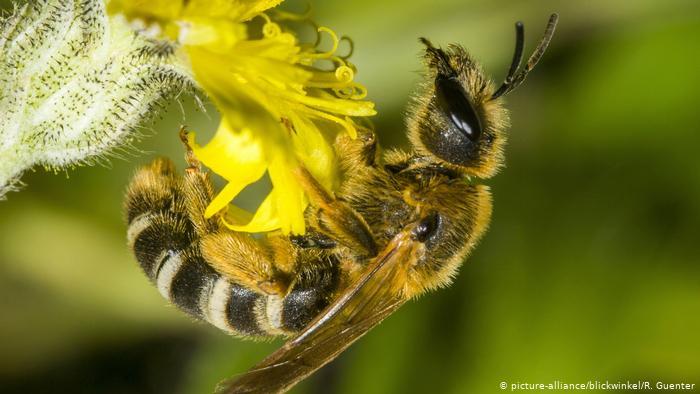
{"x":313,"y":239}
{"x":232,"y":254}
{"x":246,"y":262}
{"x":336,"y":218}
{"x":235,"y":255}
{"x":197,"y":190}
{"x":362,"y":150}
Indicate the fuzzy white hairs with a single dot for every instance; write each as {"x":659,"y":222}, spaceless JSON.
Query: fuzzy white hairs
{"x":74,"y":85}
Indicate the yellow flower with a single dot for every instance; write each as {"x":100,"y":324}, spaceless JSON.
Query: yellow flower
{"x":280,"y":100}
{"x":169,"y":11}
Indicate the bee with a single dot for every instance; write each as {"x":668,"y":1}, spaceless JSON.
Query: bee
{"x":400,"y":224}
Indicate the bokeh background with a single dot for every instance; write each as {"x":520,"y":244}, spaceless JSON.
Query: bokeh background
{"x":588,"y":272}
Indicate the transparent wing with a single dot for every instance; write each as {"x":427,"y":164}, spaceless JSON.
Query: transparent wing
{"x":373,"y":297}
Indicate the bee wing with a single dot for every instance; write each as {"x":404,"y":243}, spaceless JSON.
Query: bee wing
{"x":373,"y":297}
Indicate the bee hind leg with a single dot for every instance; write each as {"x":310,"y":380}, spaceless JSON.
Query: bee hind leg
{"x":246,"y":261}
{"x":199,"y":265}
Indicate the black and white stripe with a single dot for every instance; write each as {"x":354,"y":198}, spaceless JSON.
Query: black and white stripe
{"x":166,"y":247}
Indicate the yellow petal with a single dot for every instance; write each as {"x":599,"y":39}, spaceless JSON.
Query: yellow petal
{"x":235,"y":155}
{"x":215,"y":34}
{"x":161,"y":10}
{"x":228,"y":193}
{"x":265,"y":218}
{"x":236,"y":10}
{"x":290,"y":198}
{"x":314,"y":151}
{"x":237,"y":214}
{"x":283,"y":208}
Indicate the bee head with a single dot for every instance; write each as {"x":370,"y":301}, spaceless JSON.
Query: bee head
{"x":459,"y":119}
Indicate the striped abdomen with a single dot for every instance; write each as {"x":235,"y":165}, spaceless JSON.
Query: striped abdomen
{"x":166,"y":246}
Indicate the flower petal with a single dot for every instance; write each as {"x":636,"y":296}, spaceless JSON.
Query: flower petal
{"x":265,"y":218}
{"x":161,"y":10}
{"x":289,"y":196}
{"x":225,"y":196}
{"x":235,"y":155}
{"x":314,"y":151}
{"x":235,"y":10}
{"x":280,"y":103}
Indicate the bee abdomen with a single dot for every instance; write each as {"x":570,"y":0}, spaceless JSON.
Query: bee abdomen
{"x":157,"y":238}
{"x":190,"y":283}
{"x":306,"y":300}
{"x":203,"y":293}
{"x":167,"y":248}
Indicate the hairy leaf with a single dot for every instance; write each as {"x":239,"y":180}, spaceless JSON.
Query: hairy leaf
{"x":74,"y":84}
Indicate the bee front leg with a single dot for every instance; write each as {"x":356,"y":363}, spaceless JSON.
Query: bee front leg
{"x":336,"y":218}
{"x":360,"y":151}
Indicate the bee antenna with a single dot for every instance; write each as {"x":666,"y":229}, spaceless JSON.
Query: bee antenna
{"x":438,"y":57}
{"x":515,"y":78}
{"x":519,"y":50}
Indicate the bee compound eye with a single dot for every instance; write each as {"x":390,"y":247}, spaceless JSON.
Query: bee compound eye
{"x":427,"y":227}
{"x":453,"y":102}
{"x":458,"y":138}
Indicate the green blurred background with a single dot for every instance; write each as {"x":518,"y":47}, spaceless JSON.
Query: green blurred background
{"x":588,"y":272}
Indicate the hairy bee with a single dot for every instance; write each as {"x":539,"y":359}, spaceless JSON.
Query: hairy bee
{"x":401,"y":224}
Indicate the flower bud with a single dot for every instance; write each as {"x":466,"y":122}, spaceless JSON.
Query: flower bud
{"x":74,"y":85}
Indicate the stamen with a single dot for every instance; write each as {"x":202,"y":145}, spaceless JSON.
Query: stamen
{"x":352,"y":47}
{"x":328,"y":54}
{"x":354,"y":91}
{"x":344,"y":74}
{"x":346,"y":123}
{"x":264,"y":16}
{"x":271,"y":30}
{"x":281,"y":15}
